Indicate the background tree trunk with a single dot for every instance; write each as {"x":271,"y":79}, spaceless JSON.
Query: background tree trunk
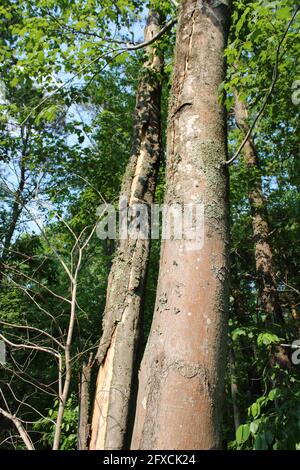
{"x":234,"y":388}
{"x":262,"y":249}
{"x":84,"y":401}
{"x":118,"y":346}
{"x":17,"y":205}
{"x":181,"y":379}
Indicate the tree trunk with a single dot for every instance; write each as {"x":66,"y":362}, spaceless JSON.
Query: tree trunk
{"x":17,"y":205}
{"x":234,"y":388}
{"x":248,"y":350}
{"x":182,"y":373}
{"x":262,"y":249}
{"x":118,"y":346}
{"x":84,"y":395}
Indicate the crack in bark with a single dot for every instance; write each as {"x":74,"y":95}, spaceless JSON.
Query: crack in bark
{"x":181,"y":107}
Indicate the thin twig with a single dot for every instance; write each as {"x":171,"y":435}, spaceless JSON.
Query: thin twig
{"x":120,"y":50}
{"x":21,"y":430}
{"x":32,"y":328}
{"x":267,"y":96}
{"x":30,"y":346}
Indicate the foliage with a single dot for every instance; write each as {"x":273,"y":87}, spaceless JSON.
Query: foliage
{"x":46,"y":426}
{"x":67,"y":95}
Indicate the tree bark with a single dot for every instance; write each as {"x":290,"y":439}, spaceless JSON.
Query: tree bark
{"x":17,"y":205}
{"x":182,"y":373}
{"x":84,"y":395}
{"x":260,"y":225}
{"x":262,"y":249}
{"x":118,"y":346}
{"x":234,"y":388}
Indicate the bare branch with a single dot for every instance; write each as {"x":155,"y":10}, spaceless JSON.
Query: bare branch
{"x":291,"y":287}
{"x":72,"y":30}
{"x":30,"y":346}
{"x":38,"y":385}
{"x":32,"y":328}
{"x":117,"y":52}
{"x":29,"y":278}
{"x":91,"y":186}
{"x":21,"y":430}
{"x":26,"y":291}
{"x":65,"y":267}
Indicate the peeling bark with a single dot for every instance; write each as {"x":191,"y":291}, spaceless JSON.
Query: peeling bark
{"x":118,"y":345}
{"x":182,"y":373}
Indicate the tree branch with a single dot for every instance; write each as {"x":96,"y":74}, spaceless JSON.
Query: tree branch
{"x":118,"y":51}
{"x":269,"y":93}
{"x":21,"y":430}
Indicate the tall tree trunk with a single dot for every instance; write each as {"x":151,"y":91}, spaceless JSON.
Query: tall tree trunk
{"x":182,"y":373}
{"x":17,"y":205}
{"x":262,"y":249}
{"x":247,"y":349}
{"x":118,"y":346}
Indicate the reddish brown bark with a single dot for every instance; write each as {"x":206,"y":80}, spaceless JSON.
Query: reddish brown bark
{"x":118,"y":346}
{"x":181,"y":378}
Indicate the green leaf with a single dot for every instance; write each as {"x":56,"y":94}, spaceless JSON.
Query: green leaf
{"x":41,"y":56}
{"x":242,"y":19}
{"x":283,"y":13}
{"x":48,"y":114}
{"x":260,"y":442}
{"x":274,"y":394}
{"x":238,"y":332}
{"x":254,"y":427}
{"x":243,"y":433}
{"x":255,"y":409}
{"x":80,"y":25}
{"x":14,"y":82}
{"x":265,"y":339}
